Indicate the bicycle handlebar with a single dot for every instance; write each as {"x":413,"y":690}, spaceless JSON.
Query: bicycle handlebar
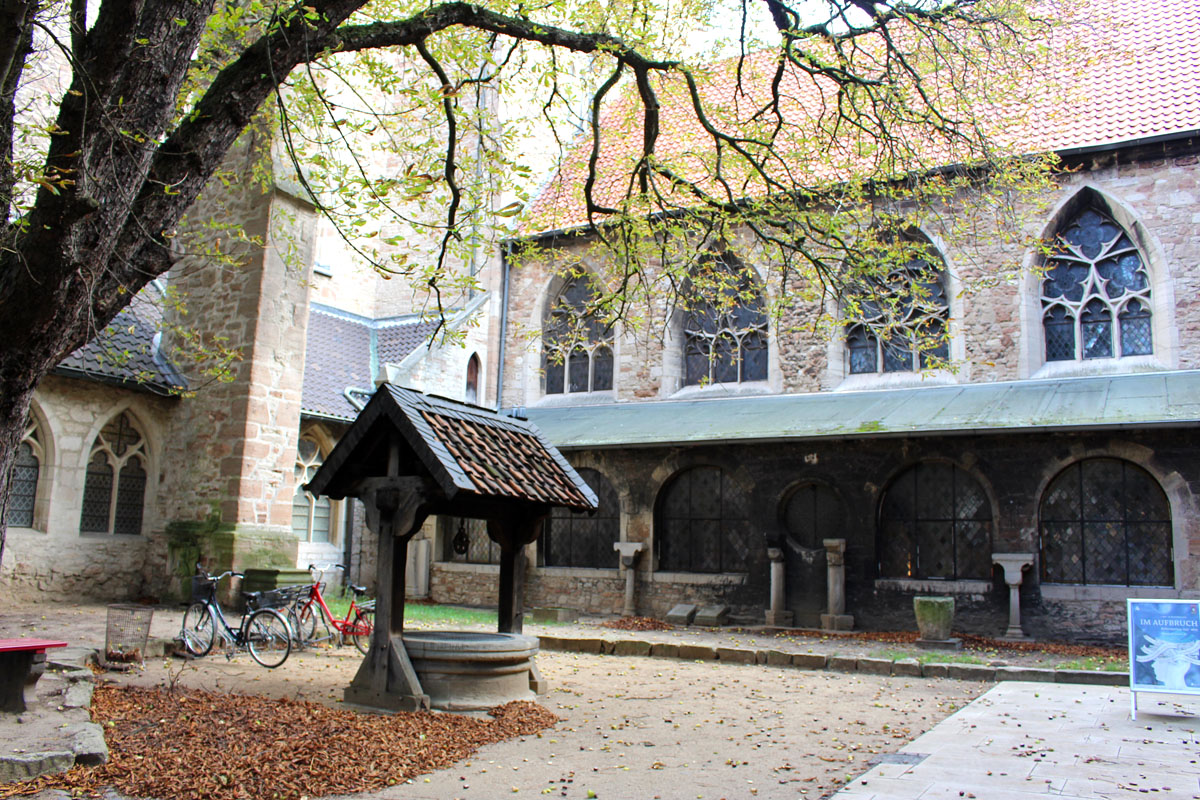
{"x":200,"y":569}
{"x":321,"y":569}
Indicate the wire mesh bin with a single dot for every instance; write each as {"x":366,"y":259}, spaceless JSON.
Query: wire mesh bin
{"x":127,"y":633}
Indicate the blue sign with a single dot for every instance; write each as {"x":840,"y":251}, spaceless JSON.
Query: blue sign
{"x":1164,"y":646}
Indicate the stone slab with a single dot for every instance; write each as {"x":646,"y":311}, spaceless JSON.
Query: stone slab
{"x":681,"y":614}
{"x":908,"y":667}
{"x":664,"y":650}
{"x":842,"y":663}
{"x":23,"y":766}
{"x":737,"y":655}
{"x":935,"y":670}
{"x":87,"y":742}
{"x":1025,"y":674}
{"x":810,"y":660}
{"x":972,"y":672}
{"x":697,"y":652}
{"x":712,"y":616}
{"x":875,"y":666}
{"x":952,"y":643}
{"x":631,"y":647}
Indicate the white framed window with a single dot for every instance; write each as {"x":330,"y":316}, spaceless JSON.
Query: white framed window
{"x":312,"y":516}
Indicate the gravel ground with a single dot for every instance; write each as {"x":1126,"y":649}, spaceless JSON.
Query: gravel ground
{"x":631,"y":727}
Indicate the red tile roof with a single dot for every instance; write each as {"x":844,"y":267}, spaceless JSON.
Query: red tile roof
{"x":1135,"y":74}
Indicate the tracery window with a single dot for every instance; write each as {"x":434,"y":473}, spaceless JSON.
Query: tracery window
{"x":312,"y":516}
{"x":23,"y":480}
{"x":702,"y":523}
{"x":1096,"y":293}
{"x":900,"y":320}
{"x":579,"y":539}
{"x":577,"y":353}
{"x":935,"y":523}
{"x":1106,"y":521}
{"x":114,"y":489}
{"x":724,"y":327}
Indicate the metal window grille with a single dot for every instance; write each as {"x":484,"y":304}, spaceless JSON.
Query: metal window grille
{"x":22,"y":482}
{"x":467,"y":542}
{"x":702,"y":524}
{"x":935,"y":523}
{"x":1106,"y":521}
{"x":1095,"y":275}
{"x":114,"y":489}
{"x":579,"y":539}
{"x":813,"y":513}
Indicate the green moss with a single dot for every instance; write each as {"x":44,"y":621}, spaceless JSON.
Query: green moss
{"x":870,"y":426}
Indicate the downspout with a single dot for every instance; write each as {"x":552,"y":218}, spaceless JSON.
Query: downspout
{"x":505,"y":249}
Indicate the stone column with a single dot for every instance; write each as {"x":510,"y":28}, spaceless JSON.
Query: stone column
{"x":777,"y":615}
{"x":629,"y":552}
{"x":835,"y":583}
{"x":1014,"y":565}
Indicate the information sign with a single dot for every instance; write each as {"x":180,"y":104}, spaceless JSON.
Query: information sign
{"x":1164,"y":647}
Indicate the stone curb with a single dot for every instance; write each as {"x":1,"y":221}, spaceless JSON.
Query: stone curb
{"x":905,"y":667}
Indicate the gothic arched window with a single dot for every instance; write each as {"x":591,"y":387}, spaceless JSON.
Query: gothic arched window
{"x":583,"y":539}
{"x":23,"y":480}
{"x":472,"y":392}
{"x":935,"y":522}
{"x":1095,"y":293}
{"x":1106,"y":521}
{"x":900,"y":320}
{"x":577,"y":351}
{"x":703,"y":523}
{"x":724,"y":327}
{"x":312,"y":516}
{"x":114,"y":489}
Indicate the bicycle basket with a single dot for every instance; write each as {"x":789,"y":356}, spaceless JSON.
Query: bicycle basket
{"x":204,"y":589}
{"x":271,"y":598}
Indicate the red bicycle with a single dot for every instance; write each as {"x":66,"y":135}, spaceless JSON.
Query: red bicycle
{"x":312,"y":615}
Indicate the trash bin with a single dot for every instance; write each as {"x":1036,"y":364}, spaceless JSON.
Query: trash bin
{"x":126,"y":635}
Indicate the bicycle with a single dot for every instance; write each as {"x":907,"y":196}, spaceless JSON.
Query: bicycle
{"x":262,"y":631}
{"x":358,"y":624}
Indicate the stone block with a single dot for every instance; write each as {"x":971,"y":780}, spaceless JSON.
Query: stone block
{"x":779,"y":619}
{"x":837,"y":622}
{"x":1091,"y":677}
{"x":737,"y":655}
{"x":712,"y":616}
{"x":631,"y":647}
{"x":87,"y":742}
{"x":936,"y":670}
{"x":875,"y":666}
{"x":681,"y":614}
{"x":778,"y":658}
{"x":809,"y":660}
{"x":697,"y":652}
{"x":664,"y":650}
{"x":1025,"y":674}
{"x":23,"y":766}
{"x":589,"y":645}
{"x":907,"y":667}
{"x":972,"y":672}
{"x":554,"y":614}
{"x":952,"y":644}
{"x":842,"y":663}
{"x":552,"y":643}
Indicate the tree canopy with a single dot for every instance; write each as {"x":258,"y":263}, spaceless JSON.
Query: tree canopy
{"x":851,"y":123}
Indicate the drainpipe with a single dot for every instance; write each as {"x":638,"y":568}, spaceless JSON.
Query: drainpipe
{"x":505,"y":249}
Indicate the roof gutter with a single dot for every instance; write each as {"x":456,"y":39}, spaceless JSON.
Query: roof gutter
{"x":505,"y":250}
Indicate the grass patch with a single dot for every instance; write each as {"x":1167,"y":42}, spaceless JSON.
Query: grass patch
{"x":950,"y":658}
{"x":421,"y":614}
{"x":1097,"y":664}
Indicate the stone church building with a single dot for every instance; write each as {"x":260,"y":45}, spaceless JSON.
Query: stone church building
{"x":728,"y":456}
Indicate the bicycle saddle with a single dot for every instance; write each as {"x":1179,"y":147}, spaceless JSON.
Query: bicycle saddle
{"x":359,"y":591}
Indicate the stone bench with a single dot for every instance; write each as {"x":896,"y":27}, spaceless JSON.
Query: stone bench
{"x":22,"y":662}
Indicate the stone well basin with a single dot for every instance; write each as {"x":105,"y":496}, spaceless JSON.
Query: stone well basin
{"x":469,"y":670}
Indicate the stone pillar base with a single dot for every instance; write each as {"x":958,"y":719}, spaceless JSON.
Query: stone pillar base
{"x":952,"y":643}
{"x":780,"y":619}
{"x":837,"y":622}
{"x":1014,"y":636}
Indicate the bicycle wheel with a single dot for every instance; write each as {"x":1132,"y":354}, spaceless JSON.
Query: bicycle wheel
{"x":268,"y":637}
{"x":293,"y":621}
{"x":199,"y":630}
{"x":310,"y":617}
{"x":362,"y":630}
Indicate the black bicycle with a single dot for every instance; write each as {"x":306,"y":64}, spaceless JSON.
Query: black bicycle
{"x":262,"y":631}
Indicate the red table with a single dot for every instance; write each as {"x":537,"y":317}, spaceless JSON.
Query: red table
{"x":22,"y":662}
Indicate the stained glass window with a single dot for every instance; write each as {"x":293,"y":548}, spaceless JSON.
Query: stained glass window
{"x":579,"y":539}
{"x":724,"y":326}
{"x":935,"y":523}
{"x":577,"y":351}
{"x":1106,"y":521}
{"x":312,"y":516}
{"x":702,"y":523}
{"x":114,"y":489}
{"x":1095,"y":293}
{"x":899,"y":321}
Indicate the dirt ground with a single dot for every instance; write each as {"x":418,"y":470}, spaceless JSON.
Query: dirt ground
{"x":631,"y":727}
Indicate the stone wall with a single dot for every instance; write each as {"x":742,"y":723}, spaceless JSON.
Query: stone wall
{"x":53,"y":559}
{"x":996,"y":319}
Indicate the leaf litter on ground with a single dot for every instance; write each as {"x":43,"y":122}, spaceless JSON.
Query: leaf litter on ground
{"x":198,"y":744}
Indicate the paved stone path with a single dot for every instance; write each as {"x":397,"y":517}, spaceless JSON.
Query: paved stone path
{"x":1024,"y":740}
